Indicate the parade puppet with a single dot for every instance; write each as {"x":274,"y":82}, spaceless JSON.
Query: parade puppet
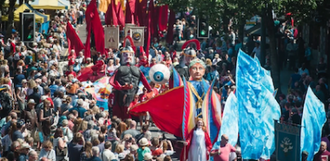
{"x":189,"y":50}
{"x":126,"y":80}
{"x":176,"y":110}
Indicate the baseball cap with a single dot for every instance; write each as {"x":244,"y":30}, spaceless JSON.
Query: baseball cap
{"x":20,"y":123}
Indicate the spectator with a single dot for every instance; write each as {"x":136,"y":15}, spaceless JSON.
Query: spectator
{"x":132,"y":130}
{"x":47,"y":151}
{"x":107,"y":153}
{"x":75,"y":146}
{"x":223,"y":151}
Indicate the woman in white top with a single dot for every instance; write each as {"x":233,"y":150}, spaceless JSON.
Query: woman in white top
{"x":47,"y":151}
{"x":4,"y":67}
{"x":117,"y":63}
{"x":60,"y":144}
{"x":111,"y":67}
{"x":53,"y":72}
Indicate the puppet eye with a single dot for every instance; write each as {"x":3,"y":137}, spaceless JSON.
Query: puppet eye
{"x":159,"y":74}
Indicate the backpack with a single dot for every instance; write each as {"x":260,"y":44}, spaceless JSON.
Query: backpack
{"x":38,"y":109}
{"x":4,"y":101}
{"x":68,"y":133}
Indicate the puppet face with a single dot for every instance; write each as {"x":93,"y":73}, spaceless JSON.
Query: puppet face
{"x":197,"y":71}
{"x":127,"y":57}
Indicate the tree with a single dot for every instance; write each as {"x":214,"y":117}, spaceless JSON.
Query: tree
{"x":222,"y":11}
{"x":302,"y":11}
{"x":11,"y":10}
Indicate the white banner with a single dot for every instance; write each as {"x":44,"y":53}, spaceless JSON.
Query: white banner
{"x":137,"y":34}
{"x":128,"y":26}
{"x":111,"y":37}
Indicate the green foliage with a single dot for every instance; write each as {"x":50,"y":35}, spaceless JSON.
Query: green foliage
{"x":221,"y":11}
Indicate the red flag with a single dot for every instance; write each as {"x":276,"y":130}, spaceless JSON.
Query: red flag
{"x":154,"y":22}
{"x":130,"y":11}
{"x":169,"y":37}
{"x":141,"y":10}
{"x":118,"y":14}
{"x":163,"y":18}
{"x":137,"y":11}
{"x":149,"y":27}
{"x":108,"y":14}
{"x":89,"y":13}
{"x":115,"y":15}
{"x":73,"y":38}
{"x":93,"y":22}
{"x":162,"y":107}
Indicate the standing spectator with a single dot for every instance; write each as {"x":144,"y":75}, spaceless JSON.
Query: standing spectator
{"x":257,"y":51}
{"x":323,"y":153}
{"x":107,"y":153}
{"x":47,"y":151}
{"x":75,"y":147}
{"x":33,"y":156}
{"x":60,"y":144}
{"x":46,"y":118}
{"x":87,"y":152}
{"x":96,"y":152}
{"x":24,"y":152}
{"x":143,"y":148}
{"x":6,"y":102}
{"x":224,"y":150}
{"x":132,"y":130}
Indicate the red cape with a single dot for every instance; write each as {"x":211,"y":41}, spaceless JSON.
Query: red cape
{"x":166,"y":110}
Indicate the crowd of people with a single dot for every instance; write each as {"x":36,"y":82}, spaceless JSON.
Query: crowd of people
{"x":47,"y":115}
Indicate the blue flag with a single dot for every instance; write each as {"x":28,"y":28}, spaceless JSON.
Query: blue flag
{"x":312,"y":122}
{"x":257,"y":108}
{"x":229,"y":124}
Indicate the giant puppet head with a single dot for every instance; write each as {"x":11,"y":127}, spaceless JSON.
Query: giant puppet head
{"x":128,"y":52}
{"x":189,"y":49}
{"x":197,"y":69}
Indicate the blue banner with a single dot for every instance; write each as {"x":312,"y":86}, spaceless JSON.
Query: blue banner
{"x":229,"y":124}
{"x":312,"y":123}
{"x":257,"y":108}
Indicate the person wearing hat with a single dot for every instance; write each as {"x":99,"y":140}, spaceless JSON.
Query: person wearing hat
{"x":133,"y":150}
{"x":147,"y":157}
{"x":31,"y":117}
{"x":24,"y":150}
{"x":143,"y":148}
{"x":17,"y":134}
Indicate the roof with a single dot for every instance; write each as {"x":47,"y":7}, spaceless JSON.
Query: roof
{"x":45,"y":4}
{"x":39,"y":17}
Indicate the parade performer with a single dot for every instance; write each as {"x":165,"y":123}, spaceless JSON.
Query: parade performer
{"x":189,"y":53}
{"x":198,"y":144}
{"x":126,"y":81}
{"x":92,"y":73}
{"x":143,"y":58}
